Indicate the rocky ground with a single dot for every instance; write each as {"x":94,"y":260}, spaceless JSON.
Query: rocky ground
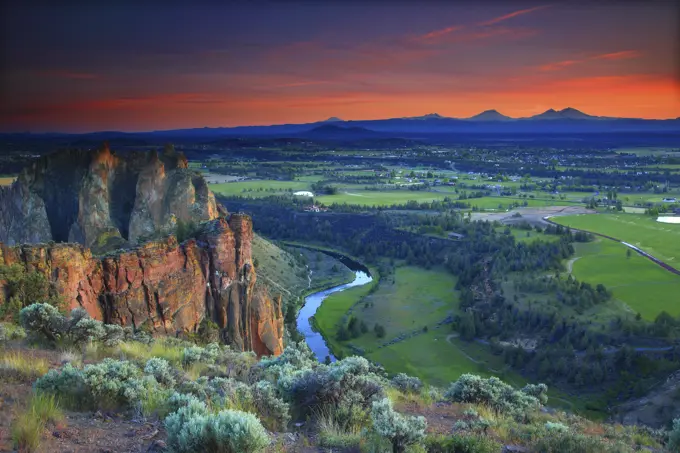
{"x":532,"y":215}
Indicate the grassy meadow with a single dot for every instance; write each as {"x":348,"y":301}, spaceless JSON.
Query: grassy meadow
{"x":661,"y":240}
{"x":643,"y":286}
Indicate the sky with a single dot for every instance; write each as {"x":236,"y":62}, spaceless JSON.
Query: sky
{"x":79,"y":66}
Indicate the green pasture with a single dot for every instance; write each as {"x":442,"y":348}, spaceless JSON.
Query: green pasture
{"x":258,"y":188}
{"x":379,"y":198}
{"x":661,"y":240}
{"x":634,"y":280}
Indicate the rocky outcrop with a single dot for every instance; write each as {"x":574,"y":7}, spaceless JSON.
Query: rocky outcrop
{"x":102,"y":200}
{"x":168,"y":286}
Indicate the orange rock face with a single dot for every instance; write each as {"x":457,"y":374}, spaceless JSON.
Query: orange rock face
{"x":169,"y":286}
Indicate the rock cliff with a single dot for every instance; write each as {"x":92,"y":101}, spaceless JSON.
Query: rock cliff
{"x":102,"y":200}
{"x":168,"y":286}
{"x":68,"y":208}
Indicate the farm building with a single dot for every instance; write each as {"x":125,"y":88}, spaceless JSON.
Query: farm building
{"x":303,"y":193}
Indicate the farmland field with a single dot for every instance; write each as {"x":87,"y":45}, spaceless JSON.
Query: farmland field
{"x":258,"y":188}
{"x":379,"y":198}
{"x":640,"y":284}
{"x":661,"y":240}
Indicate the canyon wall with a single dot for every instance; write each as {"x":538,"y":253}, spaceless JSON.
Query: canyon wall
{"x":102,"y":200}
{"x":98,"y":226}
{"x":167,"y":286}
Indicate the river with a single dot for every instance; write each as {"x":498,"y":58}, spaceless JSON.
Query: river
{"x":314,"y":339}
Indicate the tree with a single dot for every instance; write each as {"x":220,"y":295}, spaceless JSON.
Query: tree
{"x":379,"y":330}
{"x":23,"y":289}
{"x":467,"y":328}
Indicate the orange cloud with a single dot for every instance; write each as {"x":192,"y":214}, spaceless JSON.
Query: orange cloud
{"x":513,"y":14}
{"x":439,"y":33}
{"x":623,"y":55}
{"x":558,"y":65}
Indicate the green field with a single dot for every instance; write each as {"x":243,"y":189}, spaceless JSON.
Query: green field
{"x":640,"y":284}
{"x":258,"y":188}
{"x":379,"y":198}
{"x":661,"y":240}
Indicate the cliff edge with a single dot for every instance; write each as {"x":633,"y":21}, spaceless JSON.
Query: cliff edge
{"x":104,"y":200}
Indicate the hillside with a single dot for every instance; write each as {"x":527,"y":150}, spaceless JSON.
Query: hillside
{"x":95,"y":392}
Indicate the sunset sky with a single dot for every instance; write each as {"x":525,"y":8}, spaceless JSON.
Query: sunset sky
{"x":83,"y":66}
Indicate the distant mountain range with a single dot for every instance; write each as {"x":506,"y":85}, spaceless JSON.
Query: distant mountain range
{"x":566,"y":121}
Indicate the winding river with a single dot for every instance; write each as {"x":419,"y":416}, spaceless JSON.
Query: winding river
{"x":314,"y":339}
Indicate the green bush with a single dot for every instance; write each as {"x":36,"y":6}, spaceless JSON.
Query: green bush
{"x":193,"y":428}
{"x":274,"y":411}
{"x":47,"y":322}
{"x":24,"y":288}
{"x":457,"y":443}
{"x":108,"y":384}
{"x":68,"y":384}
{"x":496,"y":394}
{"x":161,"y":370}
{"x":407,"y":384}
{"x":116,"y":382}
{"x":570,"y":442}
{"x":43,"y":319}
{"x":196,"y":354}
{"x":399,"y":430}
{"x":674,"y":436}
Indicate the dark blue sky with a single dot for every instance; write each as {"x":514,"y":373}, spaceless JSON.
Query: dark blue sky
{"x":86,"y":66}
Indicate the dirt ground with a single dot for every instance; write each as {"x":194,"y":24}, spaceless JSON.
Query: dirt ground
{"x":532,"y":215}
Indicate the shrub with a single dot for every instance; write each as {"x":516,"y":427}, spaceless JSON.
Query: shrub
{"x":9,"y":331}
{"x":347,"y":386}
{"x":538,"y":391}
{"x":494,"y":393}
{"x":68,"y":384}
{"x":193,"y":428}
{"x":196,"y":354}
{"x":116,"y":382}
{"x":79,"y":328}
{"x":556,"y":427}
{"x":275,"y":411}
{"x":110,"y":383}
{"x":86,"y":330}
{"x":24,"y":288}
{"x":407,"y":384}
{"x":570,"y":442}
{"x":457,"y":443}
{"x":208,"y":331}
{"x":178,"y":400}
{"x":399,"y":430}
{"x":113,"y":335}
{"x":43,"y":319}
{"x":160,"y":369}
{"x":674,"y":436}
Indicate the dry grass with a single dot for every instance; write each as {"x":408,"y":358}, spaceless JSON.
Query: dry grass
{"x":134,"y":350}
{"x":22,"y":365}
{"x":28,"y":427}
{"x":71,"y":356}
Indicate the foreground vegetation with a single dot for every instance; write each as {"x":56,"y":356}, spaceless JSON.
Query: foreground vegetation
{"x":211,"y":398}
